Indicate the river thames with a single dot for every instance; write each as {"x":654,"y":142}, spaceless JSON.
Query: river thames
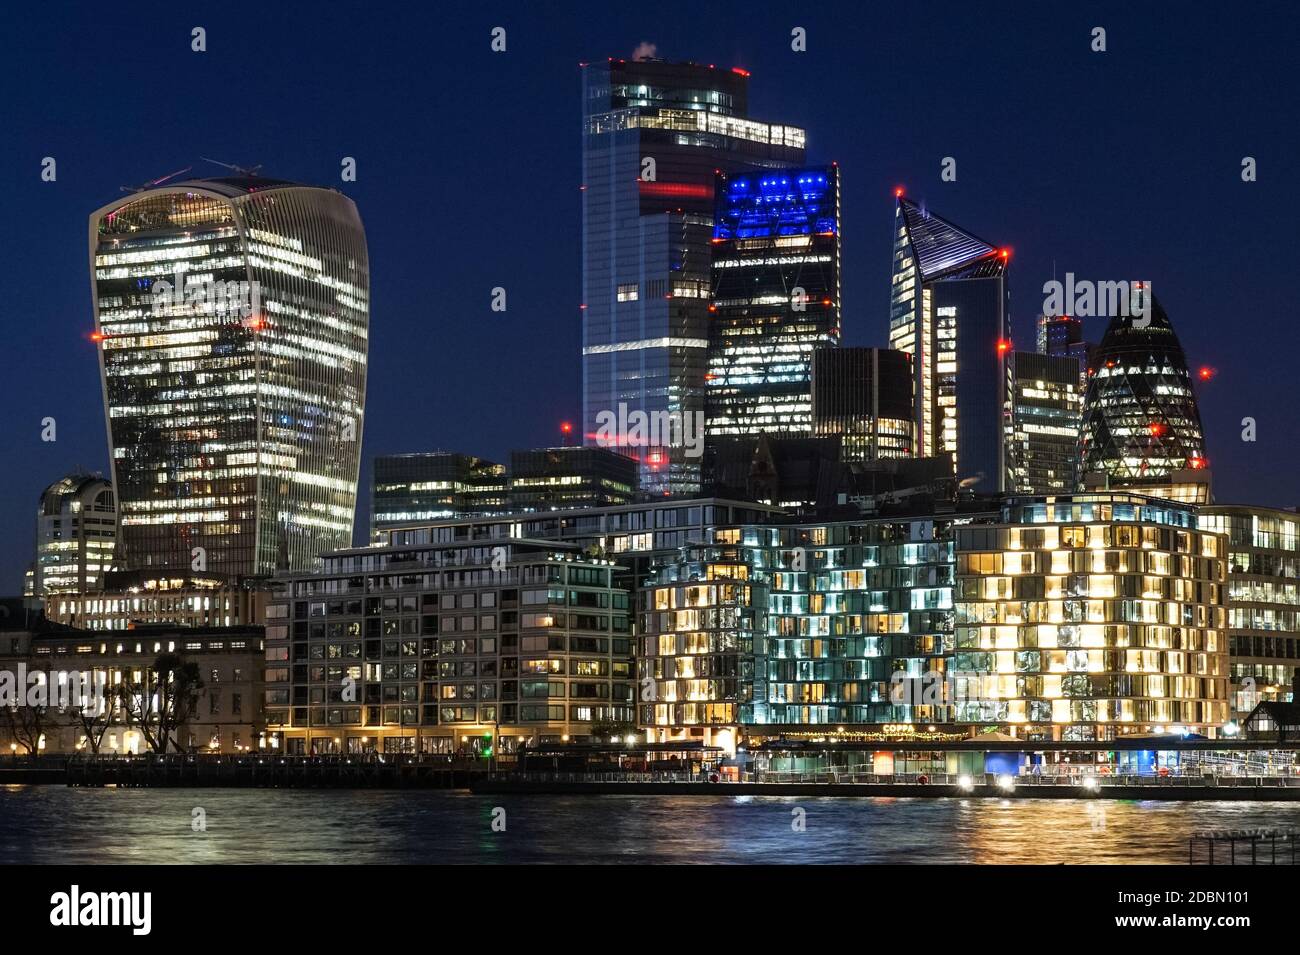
{"x":56,"y":824}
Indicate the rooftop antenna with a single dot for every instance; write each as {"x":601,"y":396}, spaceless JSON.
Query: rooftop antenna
{"x":155,"y":182}
{"x":242,"y":170}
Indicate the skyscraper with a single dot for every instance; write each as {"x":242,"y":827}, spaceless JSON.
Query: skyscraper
{"x":776,"y":298}
{"x":654,"y":136}
{"x":864,"y":395}
{"x":1141,"y":426}
{"x":76,"y":535}
{"x":232,"y":316}
{"x":948,"y":310}
{"x":1042,"y":441}
{"x":1063,"y":335}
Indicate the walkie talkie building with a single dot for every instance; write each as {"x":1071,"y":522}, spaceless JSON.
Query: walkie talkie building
{"x":232,"y":316}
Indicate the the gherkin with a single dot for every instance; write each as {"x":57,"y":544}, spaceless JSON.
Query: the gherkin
{"x":1140,"y":420}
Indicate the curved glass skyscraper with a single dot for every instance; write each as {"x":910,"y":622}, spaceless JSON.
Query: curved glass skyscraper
{"x":232,"y":316}
{"x":1141,"y":425}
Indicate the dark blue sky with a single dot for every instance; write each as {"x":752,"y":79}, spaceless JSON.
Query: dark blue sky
{"x":1117,"y":165}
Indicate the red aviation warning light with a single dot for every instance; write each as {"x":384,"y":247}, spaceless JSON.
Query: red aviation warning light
{"x":1004,"y":345}
{"x":1206,"y":373}
{"x":898,"y":192}
{"x":1156,"y":428}
{"x":97,"y":336}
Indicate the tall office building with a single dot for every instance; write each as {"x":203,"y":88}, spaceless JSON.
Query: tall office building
{"x":948,"y":310}
{"x":1141,"y":426}
{"x":864,"y":395}
{"x":1043,"y":417}
{"x":776,"y":298}
{"x":76,"y":535}
{"x":1062,"y":335}
{"x":433,"y":485}
{"x":232,"y":316}
{"x":553,"y":479}
{"x":654,"y":136}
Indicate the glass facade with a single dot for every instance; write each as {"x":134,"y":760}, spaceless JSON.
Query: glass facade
{"x":1043,"y":417}
{"x":654,"y":136}
{"x":1263,"y":600}
{"x":776,"y":298}
{"x":232,"y":316}
{"x":864,"y":396}
{"x":1141,"y":425}
{"x":948,"y":310}
{"x":407,"y":488}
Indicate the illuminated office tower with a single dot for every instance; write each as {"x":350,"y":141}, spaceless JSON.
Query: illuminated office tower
{"x":864,"y":395}
{"x":654,"y":136}
{"x":776,"y":298}
{"x":1093,"y":616}
{"x":433,"y":485}
{"x":948,"y":310}
{"x":232,"y":316}
{"x":76,"y":535}
{"x":1043,"y":416}
{"x":1141,"y":425}
{"x":553,"y":479}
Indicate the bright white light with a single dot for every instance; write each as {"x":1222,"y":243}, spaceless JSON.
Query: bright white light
{"x":1091,"y":783}
{"x":1006,"y":782}
{"x":965,"y":783}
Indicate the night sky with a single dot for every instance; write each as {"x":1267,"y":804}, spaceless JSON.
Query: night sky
{"x":1117,"y":165}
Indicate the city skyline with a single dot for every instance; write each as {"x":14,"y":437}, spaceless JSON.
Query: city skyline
{"x":537,"y":317}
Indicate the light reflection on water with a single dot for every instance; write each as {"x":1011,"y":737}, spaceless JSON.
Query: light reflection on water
{"x":60,"y":825}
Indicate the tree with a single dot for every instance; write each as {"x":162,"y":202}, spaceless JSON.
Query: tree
{"x":26,"y":724}
{"x":162,"y":701}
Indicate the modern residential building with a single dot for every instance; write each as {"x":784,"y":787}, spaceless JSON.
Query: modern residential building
{"x":1141,"y":426}
{"x":775,"y":298}
{"x":1096,"y":615}
{"x":1082,"y":616}
{"x":407,"y":488}
{"x":106,"y":681}
{"x":76,"y":535}
{"x":131,"y":599}
{"x":654,"y":136}
{"x":555,"y":479}
{"x":864,"y":396}
{"x":1043,"y":417}
{"x":232,"y":317}
{"x":948,"y":310}
{"x":797,"y":630}
{"x":452,"y":646}
{"x":1263,"y":600}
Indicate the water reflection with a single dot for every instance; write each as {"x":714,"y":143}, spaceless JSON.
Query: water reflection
{"x":56,"y":824}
